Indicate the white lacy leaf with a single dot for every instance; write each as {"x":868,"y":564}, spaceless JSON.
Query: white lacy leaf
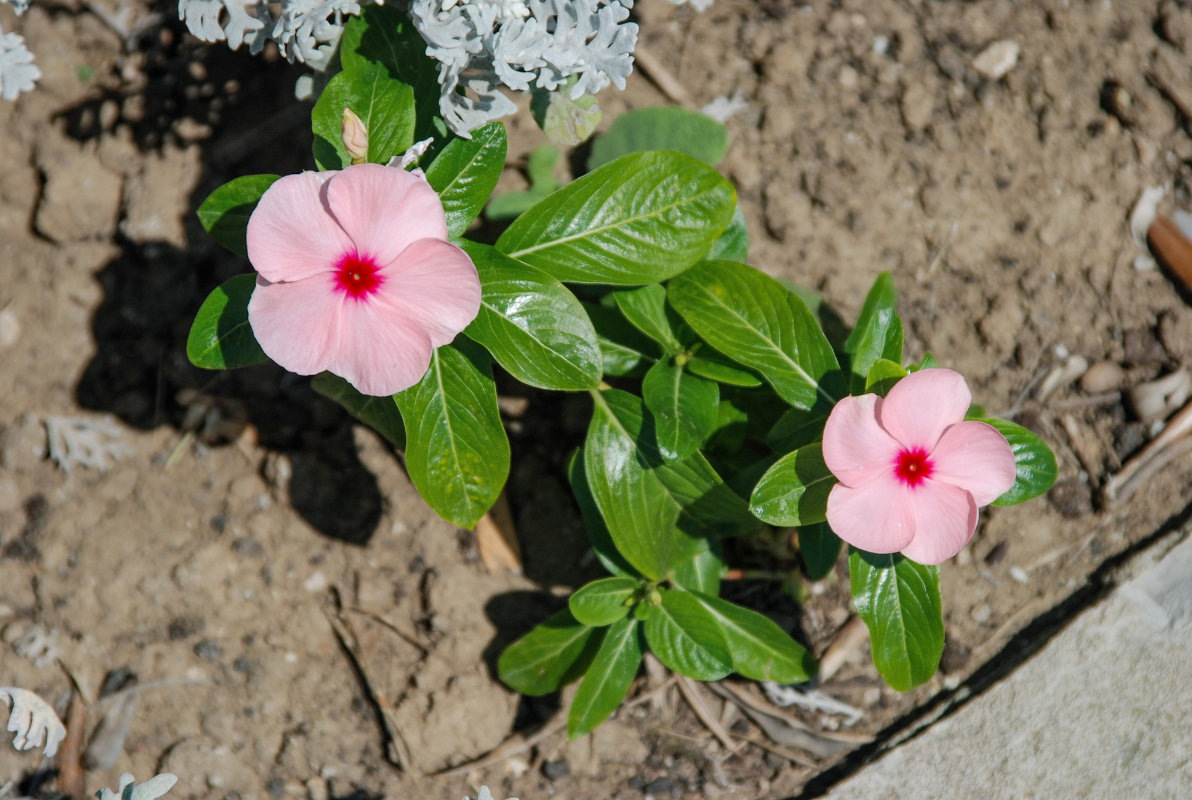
{"x":18,"y":73}
{"x":32,"y":721}
{"x":151,"y":789}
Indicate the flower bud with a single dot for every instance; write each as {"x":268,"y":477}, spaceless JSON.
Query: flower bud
{"x":355,"y":136}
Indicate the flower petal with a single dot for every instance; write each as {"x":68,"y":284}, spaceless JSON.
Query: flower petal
{"x":385,"y":209}
{"x":380,"y":352}
{"x":297,"y":323}
{"x":877,"y":517}
{"x":291,"y":234}
{"x":921,"y":405}
{"x":434,"y":283}
{"x":975,"y":457}
{"x":945,"y":518}
{"x":856,"y":449}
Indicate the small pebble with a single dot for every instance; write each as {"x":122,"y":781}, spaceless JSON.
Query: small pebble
{"x":1019,"y":574}
{"x":981,"y":613}
{"x":872,"y":696}
{"x":10,"y":329}
{"x":554,"y":770}
{"x":996,"y":60}
{"x":1104,"y":376}
{"x":315,"y":583}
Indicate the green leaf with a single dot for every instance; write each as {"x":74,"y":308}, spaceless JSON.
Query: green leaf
{"x":820,"y":548}
{"x":754,"y":320}
{"x":565,"y":121}
{"x":598,"y":535}
{"x":661,"y":128}
{"x":796,"y":428}
{"x":623,"y":347}
{"x":733,"y":244}
{"x":794,"y":491}
{"x":687,"y":639}
{"x":379,"y":413}
{"x":220,"y":337}
{"x":384,"y":105}
{"x":883,"y":374}
{"x":457,"y":453}
{"x":702,"y":573}
{"x":645,"y":308}
{"x":657,"y":513}
{"x":533,"y":325}
{"x":716,"y":367}
{"x":878,"y":333}
{"x":928,"y":362}
{"x":225,"y":212}
{"x":760,"y":649}
{"x":385,"y":35}
{"x":899,"y":601}
{"x":608,"y":678}
{"x":684,"y":408}
{"x":465,"y":173}
{"x":1034,"y":463}
{"x":549,"y":657}
{"x":603,"y":602}
{"x":640,"y":219}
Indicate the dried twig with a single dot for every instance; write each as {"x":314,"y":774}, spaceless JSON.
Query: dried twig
{"x":690,"y":693}
{"x":496,"y":538}
{"x":71,"y":780}
{"x":851,"y":635}
{"x":510,"y":747}
{"x":1157,"y":453}
{"x":660,"y":76}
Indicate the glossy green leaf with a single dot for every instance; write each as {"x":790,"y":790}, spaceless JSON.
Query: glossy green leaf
{"x":657,"y":513}
{"x":820,"y":548}
{"x":379,"y":413}
{"x":716,"y":367}
{"x":457,"y":453}
{"x":608,"y":678}
{"x":384,"y":105}
{"x":702,"y":573}
{"x":645,"y":308}
{"x":661,"y":128}
{"x":687,"y":639}
{"x":928,"y":362}
{"x":640,"y":219}
{"x":465,"y":173}
{"x":549,"y":657}
{"x":899,"y":601}
{"x":598,"y":535}
{"x":220,"y":337}
{"x":225,"y":212}
{"x":533,"y":325}
{"x":878,"y":333}
{"x":760,"y":649}
{"x":733,"y":244}
{"x":603,"y":602}
{"x":684,"y":408}
{"x":384,"y":34}
{"x":1034,"y":463}
{"x":625,"y":349}
{"x":754,"y":320}
{"x":794,"y":491}
{"x":883,"y":374}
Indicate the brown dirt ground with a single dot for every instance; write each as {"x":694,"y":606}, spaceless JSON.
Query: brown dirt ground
{"x":220,"y":568}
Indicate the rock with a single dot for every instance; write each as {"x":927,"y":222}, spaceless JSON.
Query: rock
{"x":1103,"y":376}
{"x":918,"y":103}
{"x":10,"y":328}
{"x":158,"y":198}
{"x":996,"y":60}
{"x":81,"y":199}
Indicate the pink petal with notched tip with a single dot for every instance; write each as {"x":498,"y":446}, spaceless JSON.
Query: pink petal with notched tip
{"x":380,"y":353}
{"x":297,"y":323}
{"x":945,"y":518}
{"x":385,"y":209}
{"x":434,"y":283}
{"x":975,"y":457}
{"x":922,"y":405}
{"x":877,"y":517}
{"x":291,"y":235}
{"x":855,"y":447}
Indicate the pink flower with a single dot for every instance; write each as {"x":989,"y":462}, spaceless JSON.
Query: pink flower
{"x":912,"y":472}
{"x":357,"y":276}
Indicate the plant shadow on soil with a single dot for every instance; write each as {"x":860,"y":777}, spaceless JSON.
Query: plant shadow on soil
{"x":152,"y":290}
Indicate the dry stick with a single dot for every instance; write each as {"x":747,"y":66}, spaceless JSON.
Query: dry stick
{"x":747,"y":700}
{"x":398,"y":751}
{"x":380,"y":619}
{"x":851,"y":636}
{"x":1159,"y":450}
{"x":660,"y":76}
{"x":789,"y":755}
{"x":690,"y":694}
{"x":71,"y":780}
{"x":510,"y":747}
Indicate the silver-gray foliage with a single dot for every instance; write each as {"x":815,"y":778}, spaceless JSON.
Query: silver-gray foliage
{"x":18,"y":73}
{"x":151,"y":789}
{"x":305,"y":31}
{"x":32,"y":721}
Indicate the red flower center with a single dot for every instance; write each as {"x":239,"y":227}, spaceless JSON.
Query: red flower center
{"x":913,"y":466}
{"x":358,"y":276}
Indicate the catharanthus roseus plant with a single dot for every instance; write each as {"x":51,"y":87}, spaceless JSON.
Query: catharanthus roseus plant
{"x":719,"y":405}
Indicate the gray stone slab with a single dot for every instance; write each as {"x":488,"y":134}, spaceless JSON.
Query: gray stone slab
{"x":1103,"y":710}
